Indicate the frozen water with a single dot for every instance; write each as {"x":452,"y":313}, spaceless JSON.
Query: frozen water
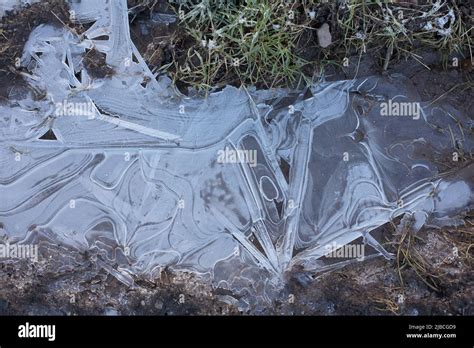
{"x":8,"y":5}
{"x":241,"y":186}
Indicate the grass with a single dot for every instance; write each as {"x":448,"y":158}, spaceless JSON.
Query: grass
{"x":462,"y":238}
{"x":431,"y":266}
{"x":253,"y":44}
{"x":392,"y":30}
{"x":408,"y":256}
{"x":387,"y":305}
{"x":263,"y":42}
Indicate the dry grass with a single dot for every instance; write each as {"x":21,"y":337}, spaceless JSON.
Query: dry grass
{"x":256,"y":42}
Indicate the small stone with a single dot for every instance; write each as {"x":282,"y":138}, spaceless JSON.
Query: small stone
{"x":324,"y":36}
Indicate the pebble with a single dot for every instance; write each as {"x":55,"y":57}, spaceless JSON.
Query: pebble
{"x":324,"y":36}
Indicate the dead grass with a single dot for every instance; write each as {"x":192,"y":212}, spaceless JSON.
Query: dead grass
{"x":409,"y":256}
{"x":432,"y":255}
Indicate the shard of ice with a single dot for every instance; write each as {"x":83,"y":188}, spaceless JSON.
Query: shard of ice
{"x":149,"y":178}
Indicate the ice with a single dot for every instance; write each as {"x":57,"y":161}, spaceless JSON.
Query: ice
{"x":8,"y":5}
{"x":138,"y":178}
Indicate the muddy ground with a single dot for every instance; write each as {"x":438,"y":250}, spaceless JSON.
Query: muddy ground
{"x":372,"y":287}
{"x":443,"y":286}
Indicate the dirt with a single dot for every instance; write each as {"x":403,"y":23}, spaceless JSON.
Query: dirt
{"x":96,"y":66}
{"x":374,"y":287}
{"x":15,"y":28}
{"x":161,"y":44}
{"x":55,"y":294}
{"x":371,"y":287}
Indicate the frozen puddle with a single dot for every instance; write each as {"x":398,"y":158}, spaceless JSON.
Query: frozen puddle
{"x":241,"y":187}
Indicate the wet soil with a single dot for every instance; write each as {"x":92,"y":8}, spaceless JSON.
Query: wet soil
{"x":96,"y":66}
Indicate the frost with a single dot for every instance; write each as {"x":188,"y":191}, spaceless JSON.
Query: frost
{"x":139,"y":181}
{"x":441,"y":25}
